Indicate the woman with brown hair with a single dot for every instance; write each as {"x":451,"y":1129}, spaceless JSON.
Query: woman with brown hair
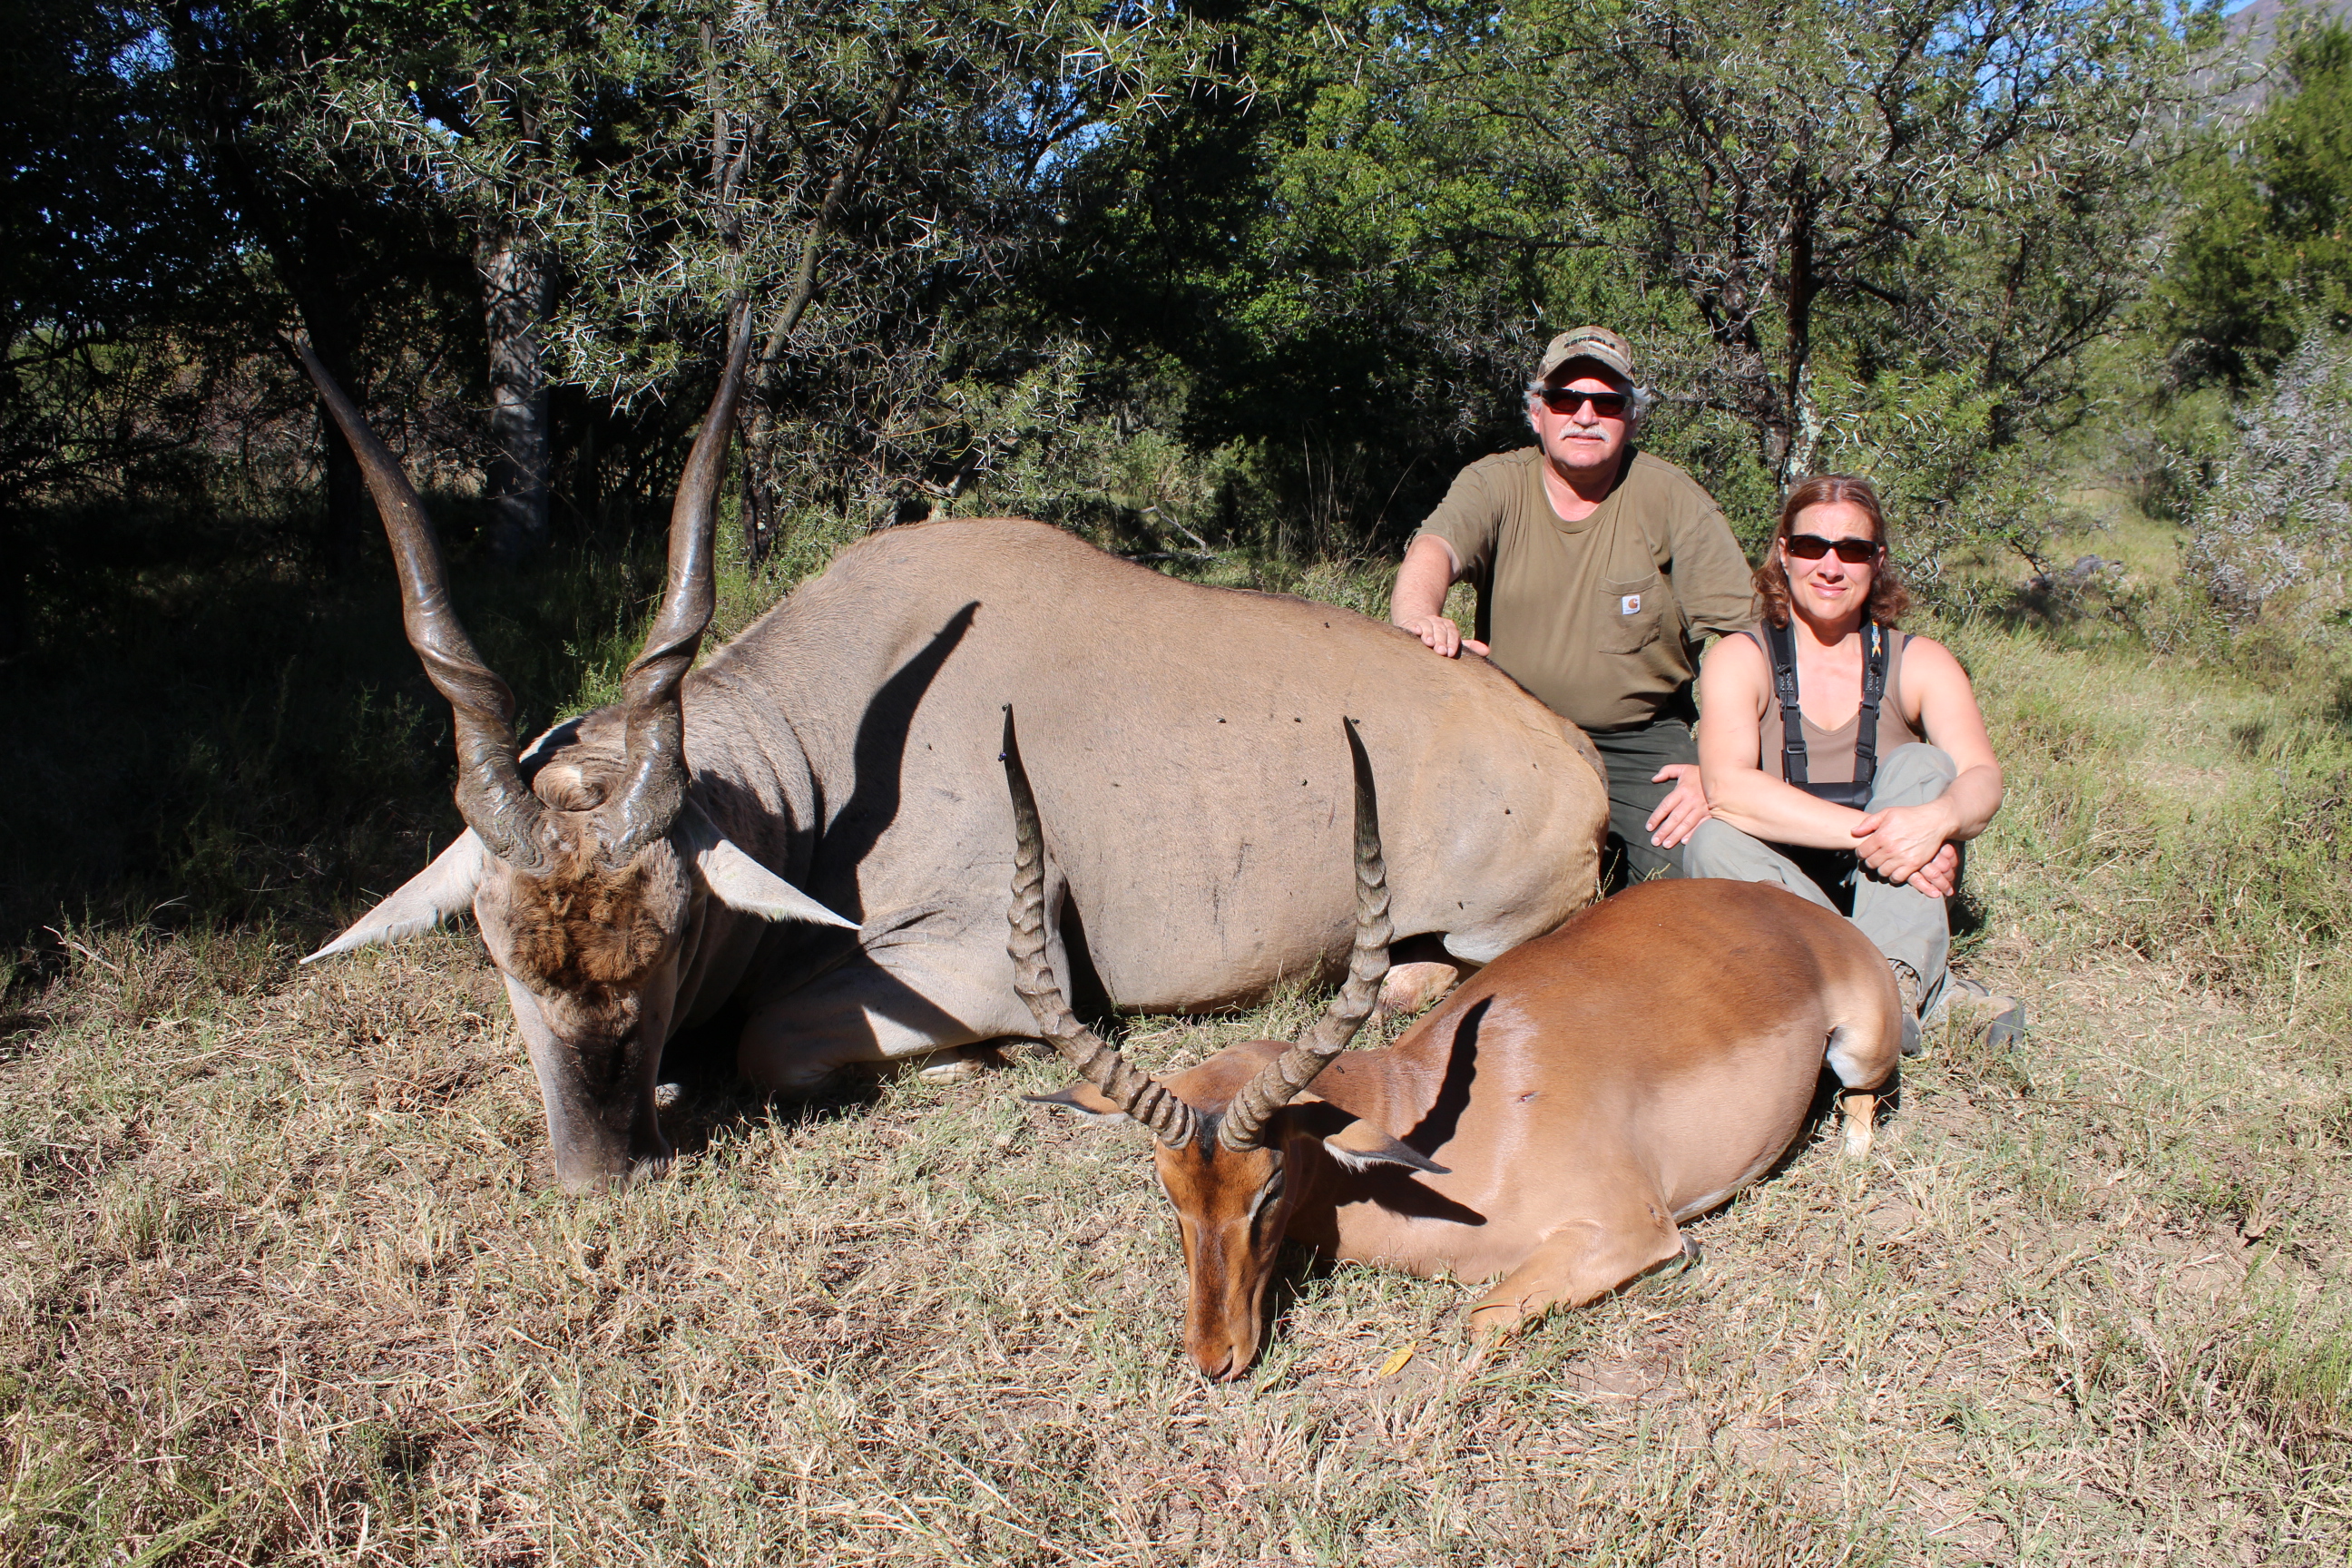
{"x":1840,"y":757}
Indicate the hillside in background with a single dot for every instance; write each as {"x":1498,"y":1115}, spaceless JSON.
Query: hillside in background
{"x":2251,"y":36}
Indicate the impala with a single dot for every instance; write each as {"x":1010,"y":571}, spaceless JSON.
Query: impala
{"x":1551,"y":1123}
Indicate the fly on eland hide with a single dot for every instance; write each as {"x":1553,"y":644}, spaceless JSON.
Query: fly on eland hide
{"x":640,"y":867}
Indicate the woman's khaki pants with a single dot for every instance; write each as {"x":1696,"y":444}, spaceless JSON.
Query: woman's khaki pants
{"x":1905,"y":923}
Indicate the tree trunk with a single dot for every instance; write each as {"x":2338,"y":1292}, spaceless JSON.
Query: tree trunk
{"x":517,"y":295}
{"x":14,"y":631}
{"x":1804,"y":438}
{"x":763,"y":516}
{"x":351,"y":518}
{"x":1775,"y":436}
{"x":761,"y":503}
{"x":351,"y":515}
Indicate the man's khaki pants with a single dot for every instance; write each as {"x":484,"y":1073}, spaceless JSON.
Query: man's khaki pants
{"x":1631,"y":757}
{"x":1904,"y":922}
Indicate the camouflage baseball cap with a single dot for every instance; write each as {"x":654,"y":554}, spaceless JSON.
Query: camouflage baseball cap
{"x":1596,"y":344}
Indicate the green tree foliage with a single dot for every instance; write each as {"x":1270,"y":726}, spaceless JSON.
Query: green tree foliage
{"x":488,"y":113}
{"x":2262,"y":251}
{"x":89,"y":224}
{"x":1858,"y":192}
{"x":106,"y":247}
{"x":1319,"y":247}
{"x":1880,"y":236}
{"x":1330,"y":289}
{"x":374,"y":271}
{"x":867,"y":178}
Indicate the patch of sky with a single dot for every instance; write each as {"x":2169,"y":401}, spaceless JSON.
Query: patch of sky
{"x":145,"y":55}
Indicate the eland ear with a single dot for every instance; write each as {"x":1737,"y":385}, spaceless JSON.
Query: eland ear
{"x":1080,"y":1098}
{"x":1359,"y":1146}
{"x":742,"y":883}
{"x":440,"y":890}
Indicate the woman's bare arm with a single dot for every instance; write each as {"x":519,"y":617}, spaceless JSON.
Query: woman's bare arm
{"x":1896,"y":842}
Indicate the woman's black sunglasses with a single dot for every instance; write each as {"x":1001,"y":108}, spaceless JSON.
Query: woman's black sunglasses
{"x":1813,"y":547}
{"x":1567,"y":400}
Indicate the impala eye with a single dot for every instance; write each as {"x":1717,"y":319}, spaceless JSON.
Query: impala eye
{"x":1267,"y":1195}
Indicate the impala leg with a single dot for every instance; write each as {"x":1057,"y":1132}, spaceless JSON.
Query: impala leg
{"x":1865,"y":1057}
{"x":1409,"y":988}
{"x":1580,"y":1262}
{"x":1856,"y":1109}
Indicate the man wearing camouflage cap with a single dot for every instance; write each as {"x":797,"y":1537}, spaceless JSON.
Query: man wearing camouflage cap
{"x":1599,"y":569}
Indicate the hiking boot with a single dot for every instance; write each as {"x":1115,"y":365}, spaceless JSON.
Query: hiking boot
{"x":1906,"y":988}
{"x":1982,"y":1010}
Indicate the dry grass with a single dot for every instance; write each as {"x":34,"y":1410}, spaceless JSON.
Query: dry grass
{"x":289,"y":1283}
{"x":285,"y":1278}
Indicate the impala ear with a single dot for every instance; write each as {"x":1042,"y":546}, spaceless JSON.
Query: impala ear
{"x":741,"y":883}
{"x":1359,"y":1146}
{"x":1080,"y":1098}
{"x":441,"y":889}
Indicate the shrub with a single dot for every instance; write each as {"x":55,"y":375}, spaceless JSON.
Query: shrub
{"x":2270,"y":540}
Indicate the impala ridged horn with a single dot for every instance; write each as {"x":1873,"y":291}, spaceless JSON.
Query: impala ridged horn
{"x":1243,"y":1125}
{"x":655,"y":788}
{"x":1142,"y":1097}
{"x":491,"y":796}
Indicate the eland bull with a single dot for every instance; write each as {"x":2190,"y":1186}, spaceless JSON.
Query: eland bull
{"x":1550,"y":1123}
{"x":692,"y":848}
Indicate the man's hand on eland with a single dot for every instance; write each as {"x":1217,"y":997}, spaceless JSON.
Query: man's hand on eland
{"x":1442,"y":635}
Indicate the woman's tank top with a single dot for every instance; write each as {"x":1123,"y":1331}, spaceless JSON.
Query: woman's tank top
{"x":1829,"y":753}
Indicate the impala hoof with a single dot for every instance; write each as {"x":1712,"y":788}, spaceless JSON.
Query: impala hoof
{"x":1491,"y":1323}
{"x":1484,"y":1343}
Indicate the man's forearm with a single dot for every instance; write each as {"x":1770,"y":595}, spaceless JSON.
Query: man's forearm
{"x":1422,"y":581}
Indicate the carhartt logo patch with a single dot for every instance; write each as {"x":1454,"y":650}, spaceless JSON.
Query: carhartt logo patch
{"x":1630,"y":605}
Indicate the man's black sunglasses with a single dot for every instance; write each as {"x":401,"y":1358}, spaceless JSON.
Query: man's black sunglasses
{"x":1813,"y":547}
{"x":1567,"y":400}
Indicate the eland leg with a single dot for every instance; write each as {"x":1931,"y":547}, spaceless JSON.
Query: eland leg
{"x":870,"y":1015}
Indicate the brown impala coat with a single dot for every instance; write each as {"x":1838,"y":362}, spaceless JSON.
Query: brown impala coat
{"x":640,"y":868}
{"x":1550,"y":1122}
{"x":1590,"y":1088}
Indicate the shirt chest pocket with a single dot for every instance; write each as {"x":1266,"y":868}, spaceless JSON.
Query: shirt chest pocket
{"x":1631,"y":609}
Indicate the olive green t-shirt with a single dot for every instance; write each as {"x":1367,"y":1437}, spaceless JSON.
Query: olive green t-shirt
{"x":1599,"y":618}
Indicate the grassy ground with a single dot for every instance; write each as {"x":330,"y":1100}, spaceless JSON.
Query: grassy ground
{"x":285,"y":1278}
